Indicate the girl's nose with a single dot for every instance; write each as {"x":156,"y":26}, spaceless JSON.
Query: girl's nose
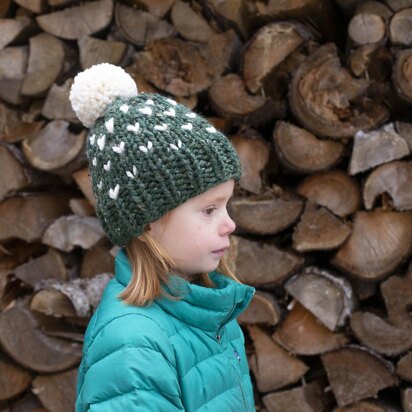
{"x":229,"y":225}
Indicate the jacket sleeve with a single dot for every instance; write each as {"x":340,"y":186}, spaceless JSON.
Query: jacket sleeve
{"x":129,"y":367}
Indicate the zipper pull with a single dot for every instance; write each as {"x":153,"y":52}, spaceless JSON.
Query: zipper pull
{"x":218,"y":337}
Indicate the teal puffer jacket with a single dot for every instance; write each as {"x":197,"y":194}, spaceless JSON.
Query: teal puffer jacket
{"x":186,"y":355}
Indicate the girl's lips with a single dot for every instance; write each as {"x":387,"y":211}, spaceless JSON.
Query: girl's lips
{"x":220,"y":252}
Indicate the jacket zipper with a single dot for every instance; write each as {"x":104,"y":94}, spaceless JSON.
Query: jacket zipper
{"x":218,"y":335}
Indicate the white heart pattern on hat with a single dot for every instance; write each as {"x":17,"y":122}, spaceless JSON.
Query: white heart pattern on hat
{"x":211,"y":129}
{"x":124,"y":108}
{"x":110,"y":125}
{"x":94,"y":161}
{"x":146,"y":148}
{"x":130,"y":174}
{"x":150,"y":101}
{"x":174,"y":147}
{"x":118,"y":149}
{"x":191,"y":115}
{"x":133,"y":128}
{"x":146,"y":110}
{"x":114,"y":192}
{"x":161,"y":127}
{"x":100,"y":141}
{"x":170,"y":112}
{"x":171,"y":101}
{"x":91,"y":139}
{"x":100,"y":184}
{"x":107,"y":166}
{"x":187,"y":126}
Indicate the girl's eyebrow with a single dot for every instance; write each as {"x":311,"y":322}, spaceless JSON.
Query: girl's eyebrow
{"x":220,"y":198}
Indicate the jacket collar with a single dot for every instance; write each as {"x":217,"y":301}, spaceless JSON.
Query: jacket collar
{"x":205,"y":308}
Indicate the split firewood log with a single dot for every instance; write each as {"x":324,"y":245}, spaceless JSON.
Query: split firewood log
{"x":271,"y":365}
{"x":57,"y":392}
{"x":48,"y":265}
{"x":11,"y":256}
{"x":316,"y":14}
{"x":139,"y":27}
{"x":300,"y":333}
{"x":33,"y":212}
{"x":302,"y":152}
{"x":55,"y":149}
{"x":334,"y":190}
{"x":46,"y":61}
{"x":254,"y":154}
{"x":81,"y":207}
{"x":360,"y":59}
{"x":397,"y":5}
{"x":267,"y":214}
{"x":404,"y":129}
{"x":67,"y":232}
{"x":187,"y":72}
{"x":261,"y":264}
{"x":369,"y":406}
{"x":16,"y":31}
{"x":28,"y":403}
{"x":157,"y":7}
{"x":402,"y":77}
{"x":329,"y":297}
{"x":13,"y":63}
{"x":190,"y":24}
{"x":263,"y":309}
{"x":44,"y":354}
{"x":376,"y":147}
{"x":407,"y":400}
{"x":36,"y":6}
{"x":228,"y":14}
{"x":94,"y":51}
{"x":57,"y":105}
{"x":268,"y":47}
{"x":17,"y":175}
{"x":78,"y":21}
{"x":306,"y":398}
{"x":379,"y":243}
{"x":73,"y":298}
{"x":389,"y":336}
{"x":14,"y":380}
{"x":14,"y":126}
{"x":399,"y":32}
{"x":319,"y":229}
{"x":221,"y":52}
{"x":338,"y":110}
{"x":404,"y":367}
{"x":97,"y":259}
{"x":355,"y":374}
{"x":369,"y":23}
{"x":82,"y":178}
{"x":229,"y":98}
{"x":393,"y":179}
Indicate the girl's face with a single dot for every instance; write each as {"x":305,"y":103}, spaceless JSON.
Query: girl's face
{"x":196,"y":233}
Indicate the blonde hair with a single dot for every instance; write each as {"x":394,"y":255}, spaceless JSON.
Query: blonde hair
{"x":151,"y":267}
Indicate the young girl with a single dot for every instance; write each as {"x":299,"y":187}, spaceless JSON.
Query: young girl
{"x":165,"y":336}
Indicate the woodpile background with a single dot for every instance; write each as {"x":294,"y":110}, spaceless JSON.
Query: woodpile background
{"x":316,"y":96}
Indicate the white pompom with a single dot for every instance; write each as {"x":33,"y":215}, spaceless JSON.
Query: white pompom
{"x":96,"y":87}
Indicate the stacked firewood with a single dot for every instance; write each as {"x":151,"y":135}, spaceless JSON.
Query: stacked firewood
{"x":316,"y":96}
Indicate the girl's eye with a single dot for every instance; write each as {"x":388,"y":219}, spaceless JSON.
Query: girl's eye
{"x":209,"y":211}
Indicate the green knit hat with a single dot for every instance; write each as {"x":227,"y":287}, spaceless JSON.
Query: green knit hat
{"x":148,"y":154}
